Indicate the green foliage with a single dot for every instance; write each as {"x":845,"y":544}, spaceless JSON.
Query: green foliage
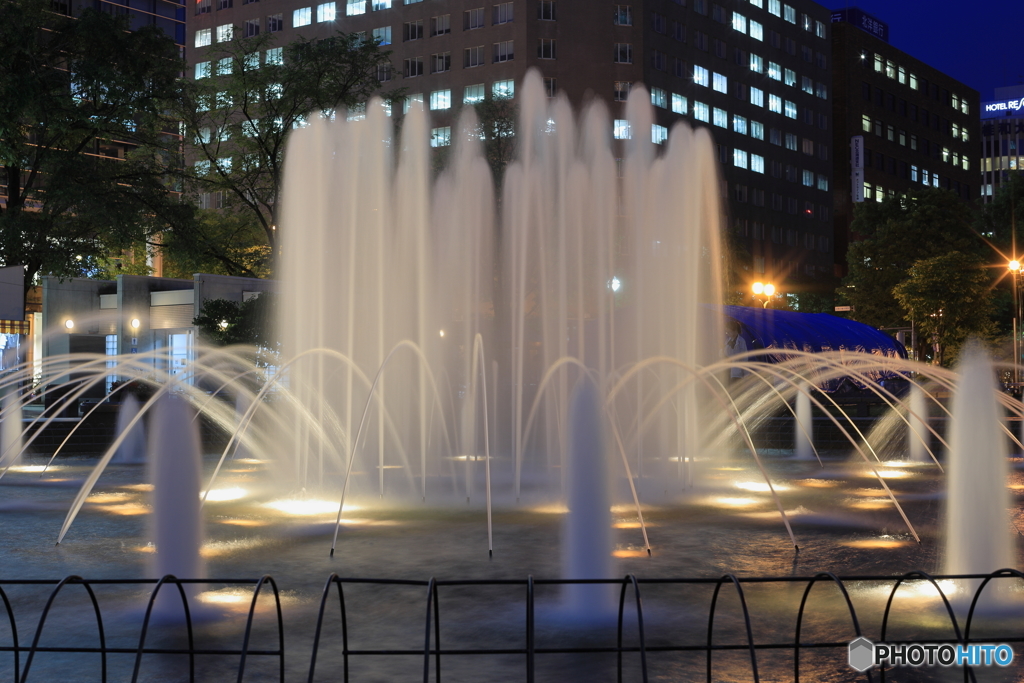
{"x":1001,"y":222}
{"x":948,"y":297}
{"x":251,"y":322}
{"x":237,"y":123}
{"x":894,"y":236}
{"x":496,"y":118}
{"x":69,"y":87}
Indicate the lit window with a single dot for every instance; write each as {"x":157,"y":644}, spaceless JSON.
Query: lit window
{"x":354,"y":7}
{"x":756,"y":30}
{"x":700,"y":76}
{"x":913,"y":82}
{"x":808,"y":177}
{"x":774,"y":71}
{"x":678,"y":104}
{"x":789,"y":14}
{"x":901,"y":75}
{"x":790,"y":109}
{"x":382,"y":35}
{"x":739,"y":22}
{"x":202,"y":168}
{"x":622,"y":89}
{"x":819,"y":29}
{"x":757,"y":97}
{"x":659,"y":134}
{"x":757,"y":163}
{"x":739,"y":158}
{"x":966,"y":165}
{"x":739,"y":124}
{"x":225,"y":32}
{"x":775,"y":7}
{"x":441,"y":137}
{"x":756,"y":63}
{"x":821,"y":90}
{"x":504,"y":89}
{"x":410,"y":101}
{"x":721,"y":83}
{"x":623,"y":15}
{"x":757,"y":130}
{"x":223,"y":99}
{"x":204,"y":37}
{"x":621,"y":129}
{"x":720,"y":118}
{"x":822,"y":182}
{"x":275,"y":56}
{"x":775,"y":104}
{"x":473,"y":94}
{"x":441,"y":99}
{"x":327,"y":12}
{"x":224,"y":66}
{"x":224,"y":165}
{"x":302,"y":17}
{"x":202,"y":70}
{"x":791,"y":141}
{"x":701,"y":111}
{"x":807,"y":85}
{"x":381,"y":4}
{"x":790,"y":78}
{"x":659,"y":98}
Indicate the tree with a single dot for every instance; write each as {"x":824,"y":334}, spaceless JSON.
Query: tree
{"x":238,"y":114}
{"x":85,"y":144}
{"x":948,"y":297}
{"x":1001,"y":222}
{"x":894,"y":235}
{"x":251,"y":322}
{"x":497,"y":128}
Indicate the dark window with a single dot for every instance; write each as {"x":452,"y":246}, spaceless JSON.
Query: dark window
{"x":659,"y":60}
{"x":890,"y":101}
{"x":775,"y":39}
{"x":413,"y":30}
{"x":679,"y":68}
{"x":275,"y":23}
{"x":679,"y":31}
{"x":878,"y":96}
{"x":701,"y":39}
{"x":902,"y":108}
{"x":865,"y":92}
{"x":720,"y":48}
{"x":659,"y":23}
{"x":791,"y":46}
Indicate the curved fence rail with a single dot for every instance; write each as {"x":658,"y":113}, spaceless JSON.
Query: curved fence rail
{"x":633,"y":648}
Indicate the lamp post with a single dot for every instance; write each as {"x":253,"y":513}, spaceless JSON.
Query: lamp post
{"x":762,"y":288}
{"x":1015,"y":267}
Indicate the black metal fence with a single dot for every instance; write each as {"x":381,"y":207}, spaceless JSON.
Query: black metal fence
{"x":433,"y":654}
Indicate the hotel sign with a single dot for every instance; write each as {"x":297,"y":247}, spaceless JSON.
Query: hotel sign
{"x":857,"y":167}
{"x":1001,"y":108}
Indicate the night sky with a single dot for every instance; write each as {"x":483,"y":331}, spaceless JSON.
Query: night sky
{"x":977,"y":42}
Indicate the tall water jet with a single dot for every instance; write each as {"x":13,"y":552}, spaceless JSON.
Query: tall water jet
{"x":804,"y":424}
{"x":917,"y":434}
{"x":176,"y":523}
{"x":10,"y":428}
{"x":587,"y":531}
{"x":978,"y":534}
{"x":133,"y":448}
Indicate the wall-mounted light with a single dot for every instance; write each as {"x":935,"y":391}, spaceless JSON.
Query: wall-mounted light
{"x":223,"y":324}
{"x":442,"y":333}
{"x":135,"y":323}
{"x":69,"y":323}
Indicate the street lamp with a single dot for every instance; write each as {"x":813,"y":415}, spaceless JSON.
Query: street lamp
{"x":1015,"y":267}
{"x":762,"y":288}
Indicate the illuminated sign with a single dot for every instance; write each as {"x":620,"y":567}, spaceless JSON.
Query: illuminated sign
{"x":1002,"y":108}
{"x":857,"y":164}
{"x":862,"y":20}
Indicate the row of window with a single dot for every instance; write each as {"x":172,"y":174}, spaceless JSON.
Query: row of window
{"x":224,"y":67}
{"x":775,"y":7}
{"x":779,"y":235}
{"x":901,"y":75}
{"x":900,"y":169}
{"x":899,"y":105}
{"x":502,"y":13}
{"x":791,"y":205}
{"x":926,"y":147}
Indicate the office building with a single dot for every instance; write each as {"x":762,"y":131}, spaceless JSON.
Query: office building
{"x":899,"y":123}
{"x":1002,"y":132}
{"x":756,"y":72}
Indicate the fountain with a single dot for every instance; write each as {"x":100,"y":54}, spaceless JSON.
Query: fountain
{"x":421,"y":410}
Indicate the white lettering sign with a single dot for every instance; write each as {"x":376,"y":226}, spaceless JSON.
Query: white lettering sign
{"x":857,"y":164}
